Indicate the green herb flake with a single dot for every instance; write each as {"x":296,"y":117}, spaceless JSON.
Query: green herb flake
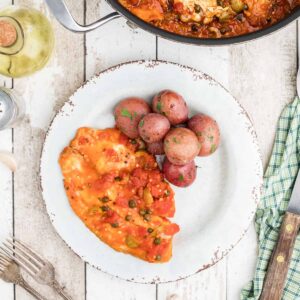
{"x":141,"y":123}
{"x":134,"y":114}
{"x":213,"y":148}
{"x":175,"y":140}
{"x":126,"y":113}
{"x":158,"y":106}
{"x":180,"y":177}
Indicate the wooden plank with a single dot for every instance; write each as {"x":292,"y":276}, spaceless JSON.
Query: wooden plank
{"x":115,"y":42}
{"x":262,"y":77}
{"x":44,"y":92}
{"x":112,"y":44}
{"x":6,"y":211}
{"x":211,"y":283}
{"x":6,"y":187}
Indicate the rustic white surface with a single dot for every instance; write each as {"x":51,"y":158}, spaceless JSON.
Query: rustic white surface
{"x":261,"y":74}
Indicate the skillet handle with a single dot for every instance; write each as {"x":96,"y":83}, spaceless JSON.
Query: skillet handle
{"x":60,"y":10}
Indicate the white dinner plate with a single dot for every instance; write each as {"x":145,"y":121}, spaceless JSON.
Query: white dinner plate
{"x":213,"y":213}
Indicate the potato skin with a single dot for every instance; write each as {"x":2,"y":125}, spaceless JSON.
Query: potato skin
{"x":128,"y":113}
{"x":156,"y":148}
{"x":181,"y":146}
{"x":172,"y":105}
{"x":207,"y":131}
{"x":181,"y":176}
{"x":153,"y":127}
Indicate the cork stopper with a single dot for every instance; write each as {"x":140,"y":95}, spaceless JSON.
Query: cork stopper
{"x":8,"y":34}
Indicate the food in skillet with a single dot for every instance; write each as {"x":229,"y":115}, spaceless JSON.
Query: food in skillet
{"x":210,"y":18}
{"x":119,"y":193}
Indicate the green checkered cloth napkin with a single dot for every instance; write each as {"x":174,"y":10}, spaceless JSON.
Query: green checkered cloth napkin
{"x":278,"y":184}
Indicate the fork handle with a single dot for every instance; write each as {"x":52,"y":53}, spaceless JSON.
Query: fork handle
{"x":21,"y":282}
{"x":60,"y":290}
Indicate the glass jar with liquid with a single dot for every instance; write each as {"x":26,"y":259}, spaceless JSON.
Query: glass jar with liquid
{"x":26,"y":41}
{"x":12,"y":108}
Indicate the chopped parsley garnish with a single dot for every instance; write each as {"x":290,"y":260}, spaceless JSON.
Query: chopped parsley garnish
{"x":180,"y":177}
{"x":141,"y":123}
{"x":213,"y":148}
{"x":175,"y":140}
{"x":126,"y":113}
{"x":158,"y":106}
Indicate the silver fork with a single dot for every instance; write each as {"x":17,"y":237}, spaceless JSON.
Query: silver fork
{"x":36,"y":266}
{"x":10,"y":272}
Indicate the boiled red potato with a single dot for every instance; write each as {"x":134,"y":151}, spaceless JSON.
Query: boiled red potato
{"x":171,"y":105}
{"x":153,"y":127}
{"x":207,"y":131}
{"x":128,"y":113}
{"x":181,"y":146}
{"x":156,"y":148}
{"x":181,"y":176}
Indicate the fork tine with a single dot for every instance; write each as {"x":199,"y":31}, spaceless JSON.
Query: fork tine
{"x":18,"y":261}
{"x":22,"y":257}
{"x":33,"y":253}
{"x":26,"y":253}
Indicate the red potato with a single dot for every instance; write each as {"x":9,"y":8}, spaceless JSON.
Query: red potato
{"x":207,"y":131}
{"x":172,"y":105}
{"x":156,"y":148}
{"x":181,"y":146}
{"x":128,"y":113}
{"x":181,"y":176}
{"x":153,"y":127}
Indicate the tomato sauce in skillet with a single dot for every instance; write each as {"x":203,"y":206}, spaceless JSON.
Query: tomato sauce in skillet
{"x":210,"y":18}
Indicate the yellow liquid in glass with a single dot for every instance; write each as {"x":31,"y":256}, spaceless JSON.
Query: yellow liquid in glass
{"x":34,"y":43}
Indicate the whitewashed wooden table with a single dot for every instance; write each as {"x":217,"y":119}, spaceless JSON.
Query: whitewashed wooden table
{"x":261,"y":74}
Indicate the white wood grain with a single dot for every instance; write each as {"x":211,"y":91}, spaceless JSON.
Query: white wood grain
{"x":115,"y":42}
{"x":6,"y":187}
{"x":124,"y":45}
{"x":262,"y":77}
{"x":6,"y":211}
{"x":207,"y":285}
{"x":44,"y":92}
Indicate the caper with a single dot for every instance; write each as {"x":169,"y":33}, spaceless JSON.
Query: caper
{"x":197,"y":8}
{"x":132,"y":203}
{"x":167,"y":192}
{"x":223,"y":30}
{"x":118,"y":178}
{"x":194,"y":28}
{"x":104,"y":199}
{"x":115,"y":225}
{"x":157,"y":241}
{"x":142,"y":212}
{"x":157,"y":257}
{"x":148,"y":211}
{"x":150,"y":230}
{"x":147,"y":217}
{"x":104,"y":208}
{"x":133,"y":142}
{"x":128,"y":218}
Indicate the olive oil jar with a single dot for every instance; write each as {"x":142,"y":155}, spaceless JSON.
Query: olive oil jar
{"x":26,"y":41}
